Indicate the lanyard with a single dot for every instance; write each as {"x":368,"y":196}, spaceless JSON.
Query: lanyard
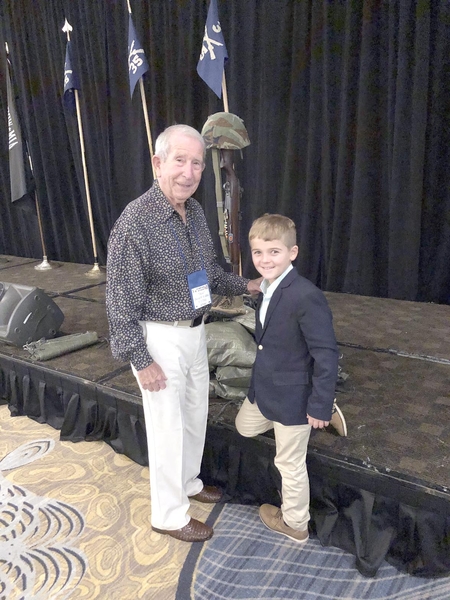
{"x":183,"y":258}
{"x":197,"y":280}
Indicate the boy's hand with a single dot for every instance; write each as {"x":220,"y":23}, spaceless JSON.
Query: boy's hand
{"x":316,"y":424}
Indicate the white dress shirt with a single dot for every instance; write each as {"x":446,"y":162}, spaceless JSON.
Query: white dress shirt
{"x":268,"y":290}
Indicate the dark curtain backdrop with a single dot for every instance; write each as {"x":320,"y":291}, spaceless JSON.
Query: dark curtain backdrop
{"x":347,"y":105}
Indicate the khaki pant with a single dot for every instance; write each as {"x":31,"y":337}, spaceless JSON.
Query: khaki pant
{"x":175,"y":420}
{"x":291,"y":448}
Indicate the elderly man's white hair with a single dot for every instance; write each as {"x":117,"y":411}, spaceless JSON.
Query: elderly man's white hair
{"x":164,"y":139}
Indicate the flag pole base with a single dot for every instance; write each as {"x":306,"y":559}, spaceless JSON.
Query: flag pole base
{"x":96,"y":271}
{"x":44,"y":265}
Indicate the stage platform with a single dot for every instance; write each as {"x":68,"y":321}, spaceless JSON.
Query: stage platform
{"x":383,"y":492}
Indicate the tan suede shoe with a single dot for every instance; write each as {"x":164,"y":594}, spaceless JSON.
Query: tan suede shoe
{"x":272,"y":517}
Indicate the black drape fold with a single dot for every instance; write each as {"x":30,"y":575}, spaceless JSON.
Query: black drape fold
{"x":411,"y":91}
{"x":346,"y":105}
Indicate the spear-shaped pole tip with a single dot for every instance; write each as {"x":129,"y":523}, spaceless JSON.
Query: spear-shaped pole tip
{"x":67,"y":26}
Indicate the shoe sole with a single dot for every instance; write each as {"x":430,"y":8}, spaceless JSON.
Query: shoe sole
{"x":343,"y":422}
{"x":168,"y":532}
{"x":203,"y":501}
{"x":285,"y":534}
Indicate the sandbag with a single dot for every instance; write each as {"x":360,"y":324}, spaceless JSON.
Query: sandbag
{"x":234,"y":376}
{"x":226,"y":391}
{"x":229,"y":344}
{"x":247,"y":320}
{"x":46,"y":349}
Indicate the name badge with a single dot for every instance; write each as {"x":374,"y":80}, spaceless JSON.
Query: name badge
{"x":199,"y":289}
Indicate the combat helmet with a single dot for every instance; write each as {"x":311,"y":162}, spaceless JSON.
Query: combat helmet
{"x":225,"y":130}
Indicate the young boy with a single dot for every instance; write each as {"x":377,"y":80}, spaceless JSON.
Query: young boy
{"x":294,"y":375}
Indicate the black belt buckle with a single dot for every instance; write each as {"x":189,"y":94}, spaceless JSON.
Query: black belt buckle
{"x":197,"y":321}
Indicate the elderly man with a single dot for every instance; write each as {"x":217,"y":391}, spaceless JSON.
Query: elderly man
{"x":161,"y":271}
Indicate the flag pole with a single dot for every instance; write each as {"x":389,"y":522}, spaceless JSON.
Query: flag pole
{"x":44,"y":265}
{"x":95,"y":271}
{"x":213,"y":57}
{"x":144,"y":108}
{"x":147,"y":124}
{"x":224,"y":92}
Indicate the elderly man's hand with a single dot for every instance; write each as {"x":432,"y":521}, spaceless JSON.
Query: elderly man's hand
{"x":253,"y":286}
{"x":152,"y":378}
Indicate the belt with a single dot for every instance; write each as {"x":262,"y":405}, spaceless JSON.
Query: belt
{"x":187,"y":323}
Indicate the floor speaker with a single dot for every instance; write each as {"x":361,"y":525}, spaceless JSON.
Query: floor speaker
{"x":27,"y":314}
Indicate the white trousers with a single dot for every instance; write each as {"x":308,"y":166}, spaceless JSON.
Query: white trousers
{"x":291,"y":443}
{"x":175,"y":420}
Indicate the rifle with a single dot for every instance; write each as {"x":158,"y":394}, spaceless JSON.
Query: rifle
{"x":231,"y":210}
{"x":225,"y":133}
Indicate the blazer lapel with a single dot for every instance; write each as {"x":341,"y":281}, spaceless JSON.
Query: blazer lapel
{"x":258,"y":327}
{"x":286,"y":282}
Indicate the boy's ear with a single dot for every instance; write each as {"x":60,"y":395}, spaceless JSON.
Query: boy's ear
{"x":293,"y":253}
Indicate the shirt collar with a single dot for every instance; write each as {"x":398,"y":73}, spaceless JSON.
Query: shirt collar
{"x":269,"y":288}
{"x":162,"y":206}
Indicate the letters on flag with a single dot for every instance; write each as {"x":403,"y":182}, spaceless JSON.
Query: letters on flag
{"x":71,"y":82}
{"x":20,"y":172}
{"x":137,"y":63}
{"x":214,"y":52}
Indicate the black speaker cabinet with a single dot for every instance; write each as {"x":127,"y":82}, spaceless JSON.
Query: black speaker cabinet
{"x":27,"y":314}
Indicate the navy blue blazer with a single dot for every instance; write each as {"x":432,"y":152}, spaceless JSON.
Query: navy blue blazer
{"x":296,"y":364}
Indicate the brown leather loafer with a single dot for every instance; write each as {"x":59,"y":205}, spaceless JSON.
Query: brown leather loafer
{"x":194,"y":531}
{"x":208,"y":494}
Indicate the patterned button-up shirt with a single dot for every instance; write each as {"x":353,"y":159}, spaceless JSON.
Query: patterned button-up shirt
{"x":150,"y":251}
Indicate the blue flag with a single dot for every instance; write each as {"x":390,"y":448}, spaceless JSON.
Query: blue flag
{"x":71,"y":82}
{"x":214,"y":52}
{"x":137,"y":63}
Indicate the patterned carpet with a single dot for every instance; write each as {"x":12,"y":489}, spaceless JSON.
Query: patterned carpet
{"x":75,"y":525}
{"x":75,"y":521}
{"x":246,"y":561}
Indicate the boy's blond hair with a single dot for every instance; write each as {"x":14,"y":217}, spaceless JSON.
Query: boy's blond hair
{"x":274,"y":227}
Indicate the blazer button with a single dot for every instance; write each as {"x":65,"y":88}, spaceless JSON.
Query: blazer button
{"x":260,"y":347}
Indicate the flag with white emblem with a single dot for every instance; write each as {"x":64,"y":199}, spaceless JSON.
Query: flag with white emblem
{"x":214,"y":52}
{"x":16,"y":162}
{"x":71,"y":81}
{"x":19,"y":169}
{"x":137,"y":63}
